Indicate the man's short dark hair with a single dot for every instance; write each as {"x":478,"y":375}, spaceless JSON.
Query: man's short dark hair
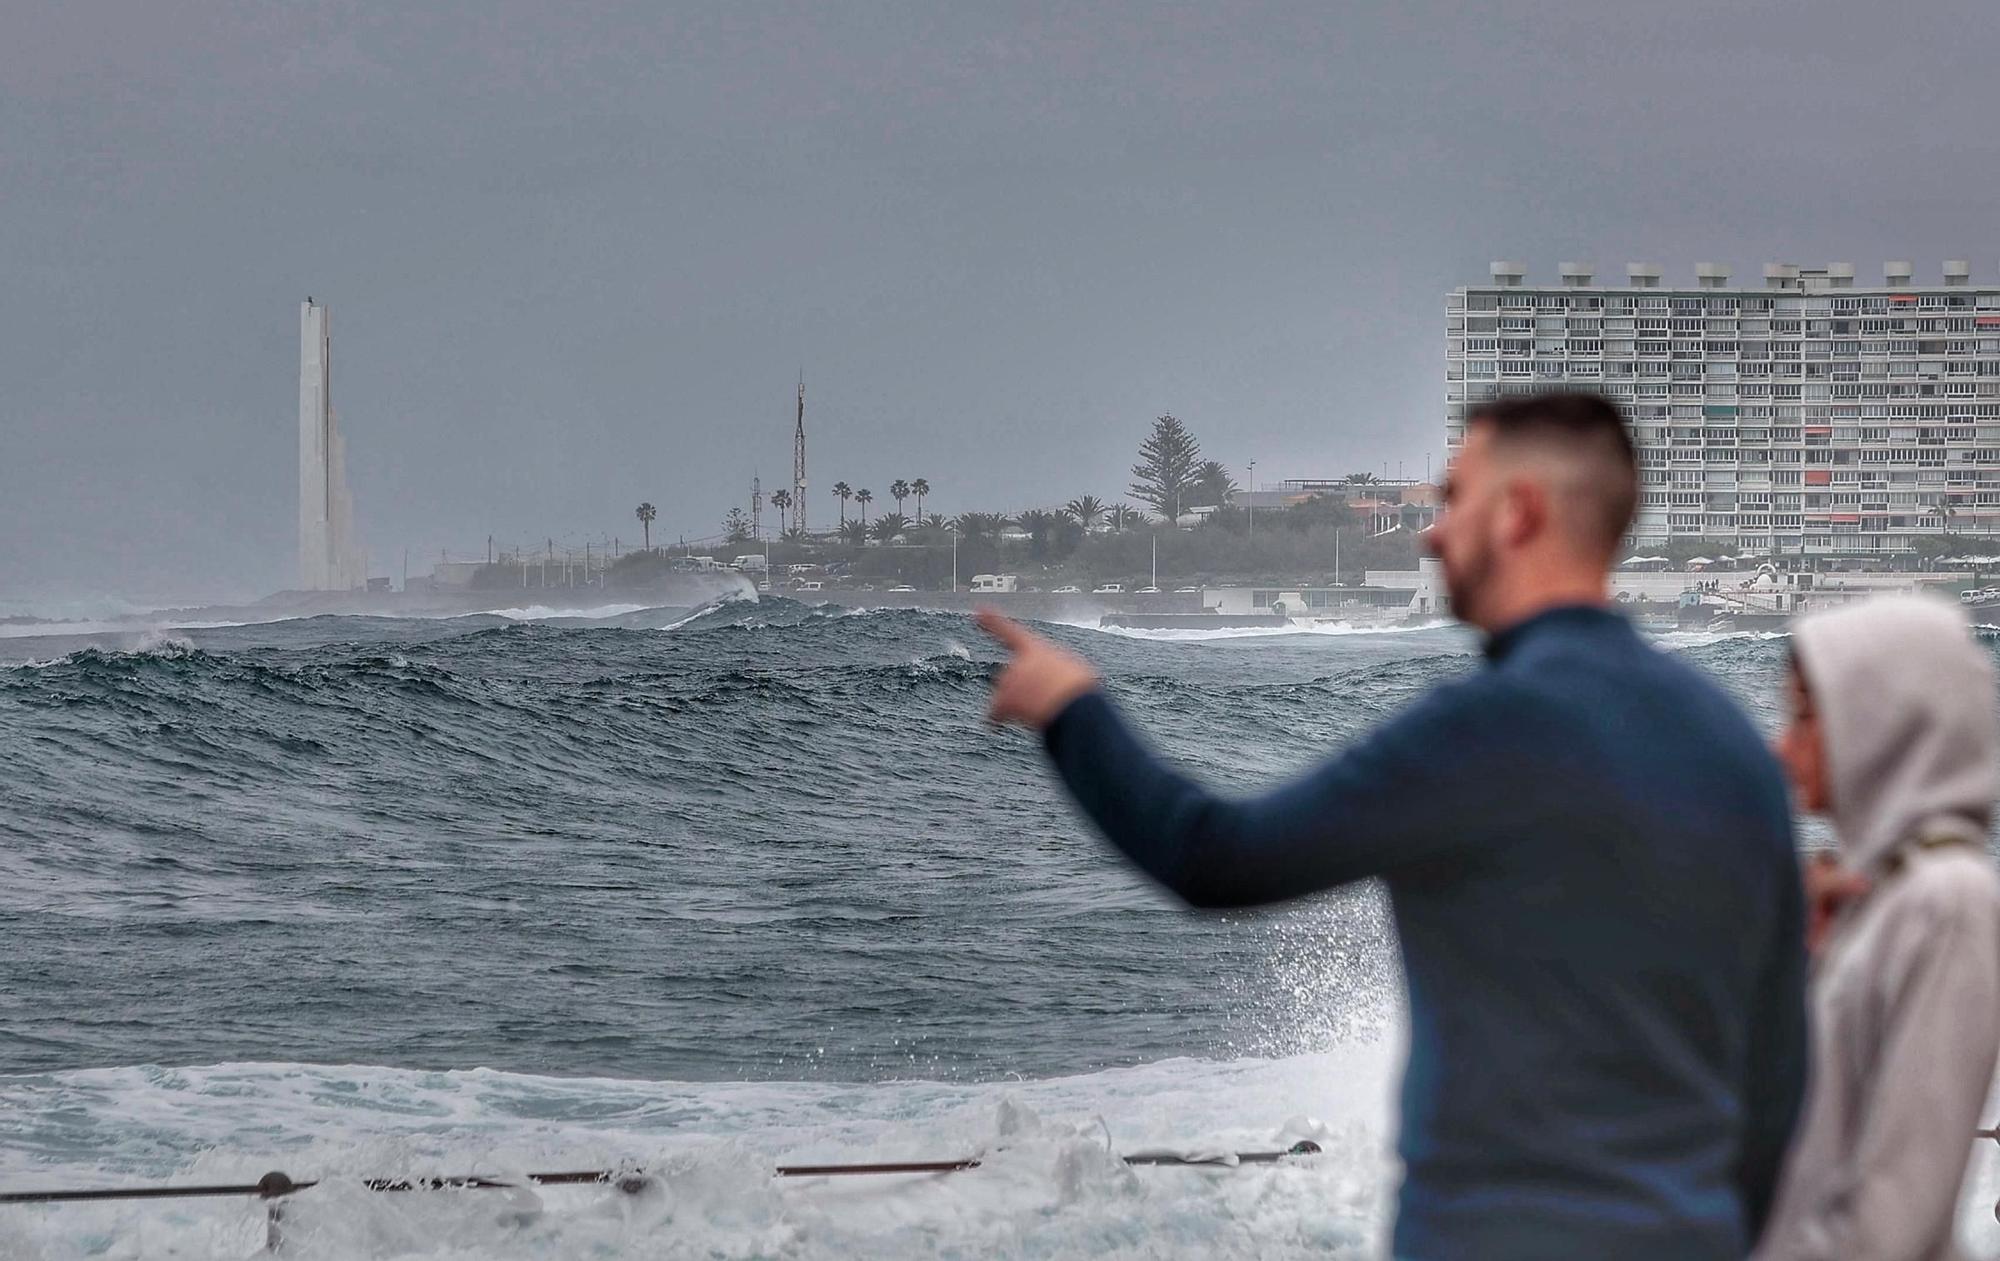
{"x":1580,"y":426}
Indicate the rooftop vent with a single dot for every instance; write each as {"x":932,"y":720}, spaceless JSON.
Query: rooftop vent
{"x":1508,"y":274}
{"x":1896,"y":273}
{"x":1781,"y":275}
{"x":1957,"y":271}
{"x":1643,"y":275}
{"x":1712,"y":275}
{"x":1577,"y":275}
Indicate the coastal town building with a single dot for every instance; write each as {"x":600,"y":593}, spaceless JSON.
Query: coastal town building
{"x":1380,"y":505}
{"x":1805,"y":415}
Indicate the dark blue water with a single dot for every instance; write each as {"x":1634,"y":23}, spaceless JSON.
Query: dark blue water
{"x":769,"y":842}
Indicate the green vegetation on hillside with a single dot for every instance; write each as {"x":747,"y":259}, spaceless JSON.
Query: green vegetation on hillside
{"x":1291,"y":545}
{"x":1084,"y":542}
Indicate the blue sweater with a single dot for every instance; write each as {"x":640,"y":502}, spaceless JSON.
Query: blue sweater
{"x":1588,"y":852}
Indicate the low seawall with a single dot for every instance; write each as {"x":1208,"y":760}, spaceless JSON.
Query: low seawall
{"x":1039,"y":606}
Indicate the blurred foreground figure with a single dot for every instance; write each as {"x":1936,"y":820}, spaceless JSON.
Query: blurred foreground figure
{"x":1588,"y":852}
{"x":1893,"y":737}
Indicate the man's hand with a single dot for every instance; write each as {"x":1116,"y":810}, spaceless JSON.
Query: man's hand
{"x":1041,"y":678}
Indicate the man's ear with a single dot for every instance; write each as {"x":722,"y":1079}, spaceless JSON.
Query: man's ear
{"x":1524,"y":511}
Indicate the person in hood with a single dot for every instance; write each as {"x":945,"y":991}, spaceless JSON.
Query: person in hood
{"x":1893,"y":738}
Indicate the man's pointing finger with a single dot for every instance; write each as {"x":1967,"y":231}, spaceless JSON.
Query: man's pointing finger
{"x":1012,"y":635}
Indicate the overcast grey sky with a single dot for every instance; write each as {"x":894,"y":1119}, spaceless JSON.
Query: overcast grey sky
{"x":577,"y":253}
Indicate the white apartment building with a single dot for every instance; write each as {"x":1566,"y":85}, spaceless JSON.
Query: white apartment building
{"x":1806,"y":416}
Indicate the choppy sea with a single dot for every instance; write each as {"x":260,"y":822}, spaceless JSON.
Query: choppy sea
{"x":694,"y":891}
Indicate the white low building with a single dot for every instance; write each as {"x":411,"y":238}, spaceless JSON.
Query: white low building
{"x":1415,"y":593}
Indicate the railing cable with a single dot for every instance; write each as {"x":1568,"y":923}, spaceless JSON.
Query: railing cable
{"x":276,"y":1185}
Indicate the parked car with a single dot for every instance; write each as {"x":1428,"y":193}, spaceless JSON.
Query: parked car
{"x":902,"y":587}
{"x":1147,"y":591}
{"x":1108,"y":588}
{"x":1068,"y":589}
{"x":1187,"y":590}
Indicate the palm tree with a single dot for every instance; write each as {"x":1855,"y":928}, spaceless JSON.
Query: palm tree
{"x":1122,"y":515}
{"x":781,"y":500}
{"x":864,"y":497}
{"x":1360,"y":479}
{"x":936,"y":521}
{"x":646,"y":512}
{"x":854,"y":532}
{"x":844,"y":492}
{"x":977,"y":525}
{"x":1086,"y":509}
{"x":889,"y":525}
{"x":899,"y":490}
{"x":920,"y":488}
{"x":1212,"y":485}
{"x":1039,"y":523}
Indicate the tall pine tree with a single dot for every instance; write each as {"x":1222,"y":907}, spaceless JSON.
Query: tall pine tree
{"x":1166,"y":468}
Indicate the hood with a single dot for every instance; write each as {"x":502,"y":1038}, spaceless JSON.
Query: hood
{"x":1904,"y":693}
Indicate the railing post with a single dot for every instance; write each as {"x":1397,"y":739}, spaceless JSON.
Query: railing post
{"x":272,"y":1188}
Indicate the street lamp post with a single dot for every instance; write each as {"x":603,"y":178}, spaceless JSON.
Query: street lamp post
{"x":1253,"y":501}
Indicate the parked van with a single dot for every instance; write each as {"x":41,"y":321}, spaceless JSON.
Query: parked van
{"x":996,"y":582}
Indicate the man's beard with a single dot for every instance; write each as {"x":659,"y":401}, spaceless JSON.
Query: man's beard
{"x":1465,"y":582}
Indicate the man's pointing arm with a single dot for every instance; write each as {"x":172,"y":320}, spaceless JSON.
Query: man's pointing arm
{"x":1386,"y":803}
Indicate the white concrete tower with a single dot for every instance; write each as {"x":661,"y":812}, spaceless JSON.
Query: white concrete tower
{"x":328,"y":560}
{"x":799,"y":464}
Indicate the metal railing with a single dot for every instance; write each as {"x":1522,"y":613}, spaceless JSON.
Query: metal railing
{"x":274,"y":1187}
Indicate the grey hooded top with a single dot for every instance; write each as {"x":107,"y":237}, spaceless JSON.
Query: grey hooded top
{"x":1906,"y":991}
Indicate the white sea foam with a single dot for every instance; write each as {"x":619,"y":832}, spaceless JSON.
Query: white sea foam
{"x":1047,"y":1186}
{"x":1979,"y":1196}
{"x":1198,"y":635}
{"x":161,"y":643}
{"x":152,"y":643}
{"x":37,"y":630}
{"x":1702,"y":638}
{"x":721,"y":602}
{"x":74,"y":609}
{"x":542,"y":612}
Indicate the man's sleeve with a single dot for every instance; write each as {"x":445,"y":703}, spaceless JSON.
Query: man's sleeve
{"x":1428,"y":784}
{"x":1774,"y":1087}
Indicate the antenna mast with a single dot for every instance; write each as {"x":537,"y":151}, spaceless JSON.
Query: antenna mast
{"x":799,"y":462}
{"x":756,"y":507}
